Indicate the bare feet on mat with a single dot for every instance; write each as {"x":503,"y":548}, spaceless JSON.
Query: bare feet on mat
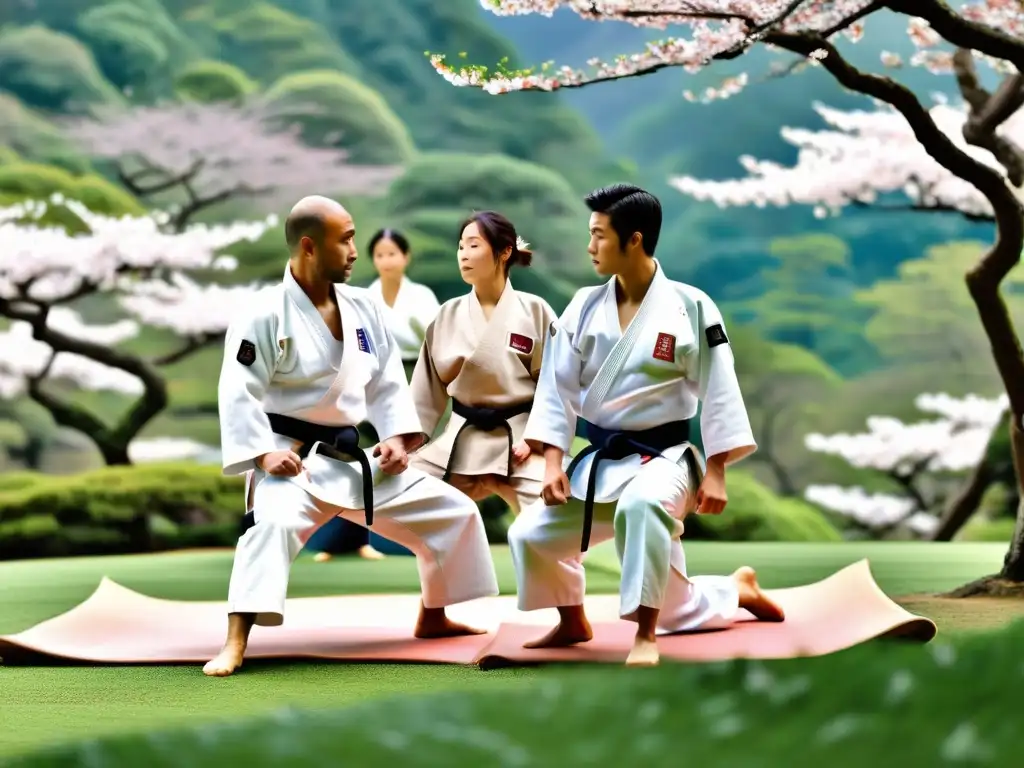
{"x":573,"y":628}
{"x":226,"y":662}
{"x":644,"y":653}
{"x":433,"y":623}
{"x":367,"y":552}
{"x":321,"y":557}
{"x":753,"y":598}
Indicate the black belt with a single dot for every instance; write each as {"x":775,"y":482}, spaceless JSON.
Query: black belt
{"x":486,"y":419}
{"x":618,"y":444}
{"x":340,"y":443}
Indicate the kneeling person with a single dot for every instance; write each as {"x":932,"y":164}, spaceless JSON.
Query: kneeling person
{"x":309,"y":360}
{"x":632,"y":358}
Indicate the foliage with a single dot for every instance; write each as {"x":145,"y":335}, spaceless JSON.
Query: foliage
{"x":925,"y":314}
{"x":336,"y":110}
{"x":137,"y":45}
{"x":909,"y":454}
{"x":264,"y":39}
{"x":27,"y":133}
{"x":44,"y":267}
{"x":754,"y":513}
{"x":118,"y":510}
{"x":52,"y":71}
{"x":209,"y":81}
{"x":30,"y":181}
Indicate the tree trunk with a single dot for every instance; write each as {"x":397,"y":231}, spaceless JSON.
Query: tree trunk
{"x":965,"y":503}
{"x":1013,"y":563}
{"x":115,"y":453}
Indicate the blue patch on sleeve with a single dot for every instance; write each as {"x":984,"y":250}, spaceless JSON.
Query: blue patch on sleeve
{"x":363,"y":341}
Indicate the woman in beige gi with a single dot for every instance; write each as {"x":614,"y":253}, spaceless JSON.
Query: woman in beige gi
{"x":483,"y":350}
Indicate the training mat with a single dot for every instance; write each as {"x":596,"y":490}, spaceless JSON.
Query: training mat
{"x":118,"y":625}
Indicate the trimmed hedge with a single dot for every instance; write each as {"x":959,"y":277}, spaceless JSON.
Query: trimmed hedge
{"x":153,"y":507}
{"x":116,"y":510}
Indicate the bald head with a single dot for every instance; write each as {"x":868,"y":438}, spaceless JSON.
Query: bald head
{"x":311,"y":217}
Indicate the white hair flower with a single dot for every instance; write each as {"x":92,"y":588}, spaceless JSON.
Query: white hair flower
{"x":521,"y":245}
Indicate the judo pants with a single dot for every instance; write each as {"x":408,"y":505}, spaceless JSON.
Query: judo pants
{"x":439,"y":525}
{"x":646,"y":522}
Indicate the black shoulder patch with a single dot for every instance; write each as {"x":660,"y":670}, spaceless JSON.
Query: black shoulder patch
{"x":716,"y":335}
{"x":552,"y":330}
{"x":246,"y":353}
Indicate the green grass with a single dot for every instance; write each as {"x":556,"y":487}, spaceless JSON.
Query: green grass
{"x":54,"y":705}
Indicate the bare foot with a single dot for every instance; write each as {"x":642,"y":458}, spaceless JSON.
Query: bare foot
{"x":367,"y":552}
{"x":322,"y":557}
{"x":753,"y":598}
{"x":226,"y":662}
{"x":644,"y":653}
{"x":434,"y":623}
{"x":571,"y":630}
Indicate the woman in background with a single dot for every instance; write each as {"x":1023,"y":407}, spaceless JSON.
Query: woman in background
{"x":408,"y":309}
{"x":483,"y":351}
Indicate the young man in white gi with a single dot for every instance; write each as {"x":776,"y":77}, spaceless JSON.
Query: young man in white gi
{"x":308,"y":361}
{"x":631,"y":359}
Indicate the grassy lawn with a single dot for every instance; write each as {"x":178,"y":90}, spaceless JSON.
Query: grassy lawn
{"x":43,"y":706}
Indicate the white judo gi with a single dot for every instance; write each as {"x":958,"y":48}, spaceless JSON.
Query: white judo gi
{"x":673,"y":355}
{"x":281,"y":358}
{"x":415,"y":307}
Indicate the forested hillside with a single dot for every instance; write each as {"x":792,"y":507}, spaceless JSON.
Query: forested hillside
{"x":833,"y":319}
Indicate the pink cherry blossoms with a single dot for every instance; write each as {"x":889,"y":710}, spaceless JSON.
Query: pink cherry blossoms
{"x":216,"y":152}
{"x":43,"y":268}
{"x":717,"y":29}
{"x":864,"y":154}
{"x":953,"y":442}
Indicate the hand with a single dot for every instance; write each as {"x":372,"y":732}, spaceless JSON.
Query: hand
{"x":393,"y":458}
{"x":556,"y":487}
{"x":521,"y":452}
{"x":711,"y":496}
{"x":281,"y":463}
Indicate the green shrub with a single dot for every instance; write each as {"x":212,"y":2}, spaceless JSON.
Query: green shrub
{"x":29,"y":135}
{"x":755,"y":513}
{"x":52,"y":71}
{"x":210,"y":81}
{"x":31,"y":181}
{"x":334,"y":109}
{"x":118,"y":510}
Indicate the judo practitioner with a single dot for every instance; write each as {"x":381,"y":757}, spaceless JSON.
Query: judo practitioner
{"x":483,"y":352}
{"x":308,"y":361}
{"x":631,"y":359}
{"x":407,"y":307}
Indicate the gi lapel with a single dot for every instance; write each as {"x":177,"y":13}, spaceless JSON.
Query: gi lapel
{"x":493,"y":336}
{"x":616,"y":360}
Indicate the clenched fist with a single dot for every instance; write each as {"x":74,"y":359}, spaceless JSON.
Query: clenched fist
{"x":281,"y":463}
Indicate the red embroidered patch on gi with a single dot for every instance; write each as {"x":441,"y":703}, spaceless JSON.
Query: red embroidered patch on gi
{"x":520,"y":343}
{"x":665,"y":347}
{"x":645,"y":459}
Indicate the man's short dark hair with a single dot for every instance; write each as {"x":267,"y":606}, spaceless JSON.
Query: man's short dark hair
{"x":630,"y":209}
{"x":302,"y":225}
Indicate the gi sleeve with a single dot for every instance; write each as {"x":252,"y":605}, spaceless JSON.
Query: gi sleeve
{"x":250,"y":357}
{"x":428,"y":391}
{"x":724,"y":422}
{"x":389,"y":404}
{"x":556,"y":402}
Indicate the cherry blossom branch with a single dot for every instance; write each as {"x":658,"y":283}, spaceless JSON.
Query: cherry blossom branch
{"x":988,"y":112}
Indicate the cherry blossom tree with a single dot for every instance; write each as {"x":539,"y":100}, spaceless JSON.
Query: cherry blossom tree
{"x":211,"y":153}
{"x":914,"y":456}
{"x":987,"y":31}
{"x":44,"y":270}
